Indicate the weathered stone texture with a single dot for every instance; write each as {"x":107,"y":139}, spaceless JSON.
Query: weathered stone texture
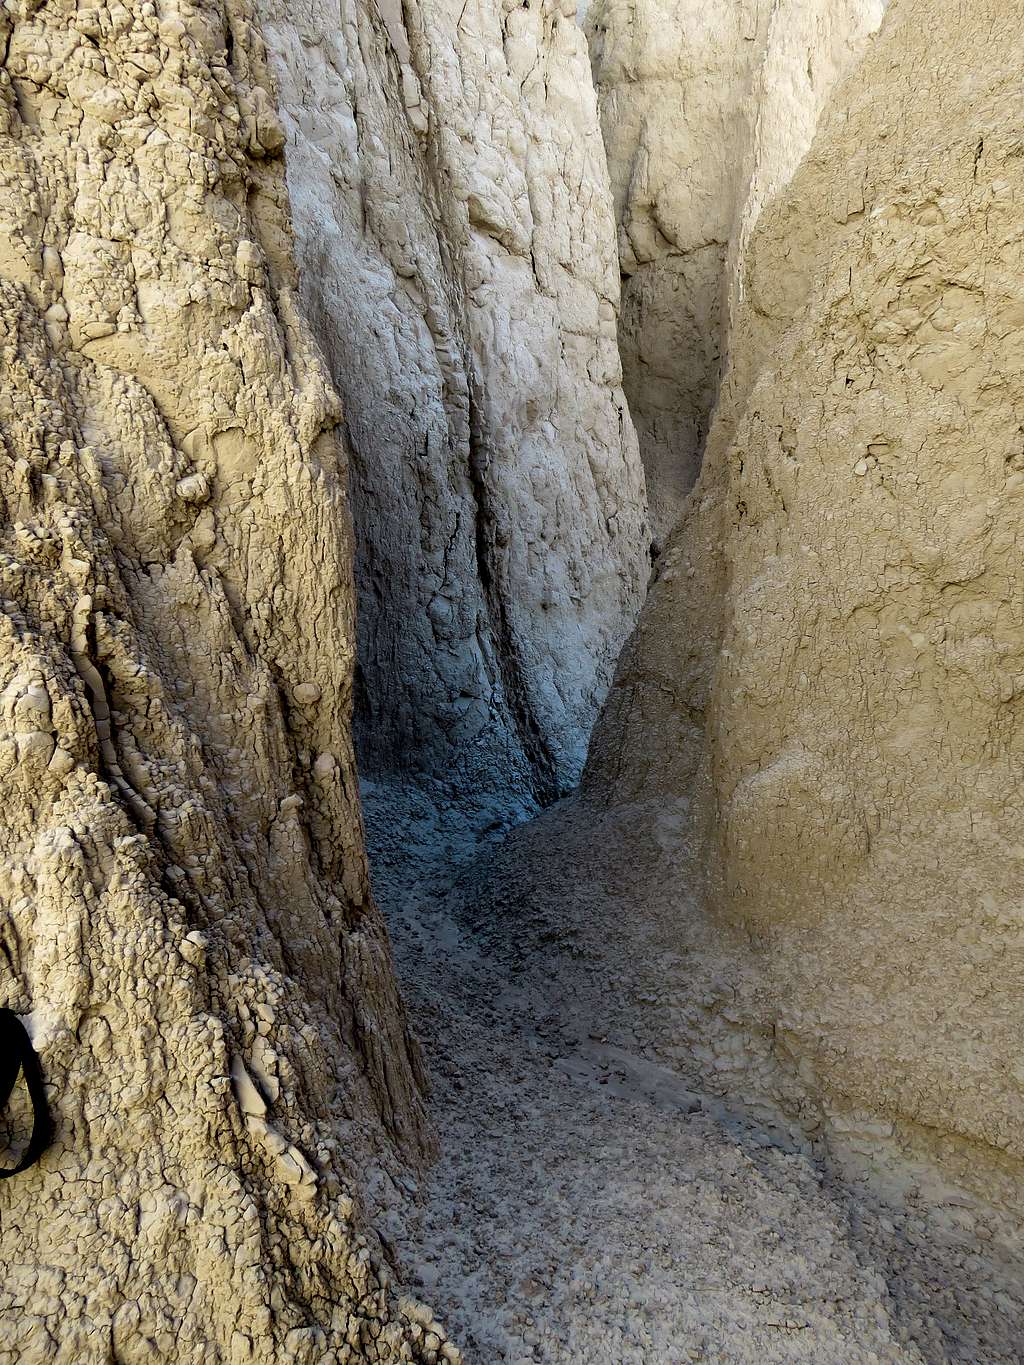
{"x":187,"y":926}
{"x":707,"y":109}
{"x":830,"y":664}
{"x":458,"y":254}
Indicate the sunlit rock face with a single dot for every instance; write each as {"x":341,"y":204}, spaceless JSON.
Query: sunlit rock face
{"x":458,"y":254}
{"x":706,"y":109}
{"x":827,"y":673}
{"x":187,"y":927}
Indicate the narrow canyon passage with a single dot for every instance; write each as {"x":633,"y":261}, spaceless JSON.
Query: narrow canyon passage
{"x":592,"y":1201}
{"x":512,"y":681}
{"x":701,"y":1093}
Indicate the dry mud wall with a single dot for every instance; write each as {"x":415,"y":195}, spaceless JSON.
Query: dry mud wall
{"x":187,"y":926}
{"x":458,"y":265}
{"x":828,"y":673}
{"x":706,"y":110}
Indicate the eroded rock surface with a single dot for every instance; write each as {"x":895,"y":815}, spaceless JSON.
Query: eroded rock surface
{"x":825,"y":683}
{"x":187,"y":925}
{"x":706,"y":110}
{"x":458,"y":251}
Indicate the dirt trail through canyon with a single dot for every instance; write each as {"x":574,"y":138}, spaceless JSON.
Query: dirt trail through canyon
{"x":590,"y":1203}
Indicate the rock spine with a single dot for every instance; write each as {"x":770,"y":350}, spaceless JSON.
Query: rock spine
{"x":187,"y":926}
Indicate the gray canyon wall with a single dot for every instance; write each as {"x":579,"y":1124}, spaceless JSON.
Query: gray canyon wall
{"x":826,"y":677}
{"x":190,"y":937}
{"x":458,"y":264}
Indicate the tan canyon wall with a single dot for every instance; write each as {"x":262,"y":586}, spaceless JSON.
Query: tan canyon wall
{"x":707,"y":109}
{"x":458,"y":259}
{"x":187,"y":928}
{"x":830,"y":666}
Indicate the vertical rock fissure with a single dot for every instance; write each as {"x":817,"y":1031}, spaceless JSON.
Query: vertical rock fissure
{"x":539,"y":757}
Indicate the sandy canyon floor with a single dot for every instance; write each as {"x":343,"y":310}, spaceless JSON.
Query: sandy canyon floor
{"x":590,"y":1204}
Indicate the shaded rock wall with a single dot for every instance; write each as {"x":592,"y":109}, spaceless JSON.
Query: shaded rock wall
{"x":187,"y":927}
{"x":706,"y":111}
{"x":458,"y":256}
{"x":828,"y":671}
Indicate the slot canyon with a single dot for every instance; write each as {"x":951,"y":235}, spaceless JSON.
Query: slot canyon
{"x":512,"y":739}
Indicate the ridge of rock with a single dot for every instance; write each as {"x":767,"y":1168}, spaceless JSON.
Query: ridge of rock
{"x":188,"y":928}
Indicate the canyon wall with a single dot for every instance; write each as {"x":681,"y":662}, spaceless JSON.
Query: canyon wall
{"x":828,"y":673}
{"x":187,"y":926}
{"x":458,"y":265}
{"x":706,"y":110}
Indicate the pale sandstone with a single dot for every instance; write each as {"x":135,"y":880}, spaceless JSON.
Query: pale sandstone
{"x":707,"y":109}
{"x":187,"y":928}
{"x":828,"y":670}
